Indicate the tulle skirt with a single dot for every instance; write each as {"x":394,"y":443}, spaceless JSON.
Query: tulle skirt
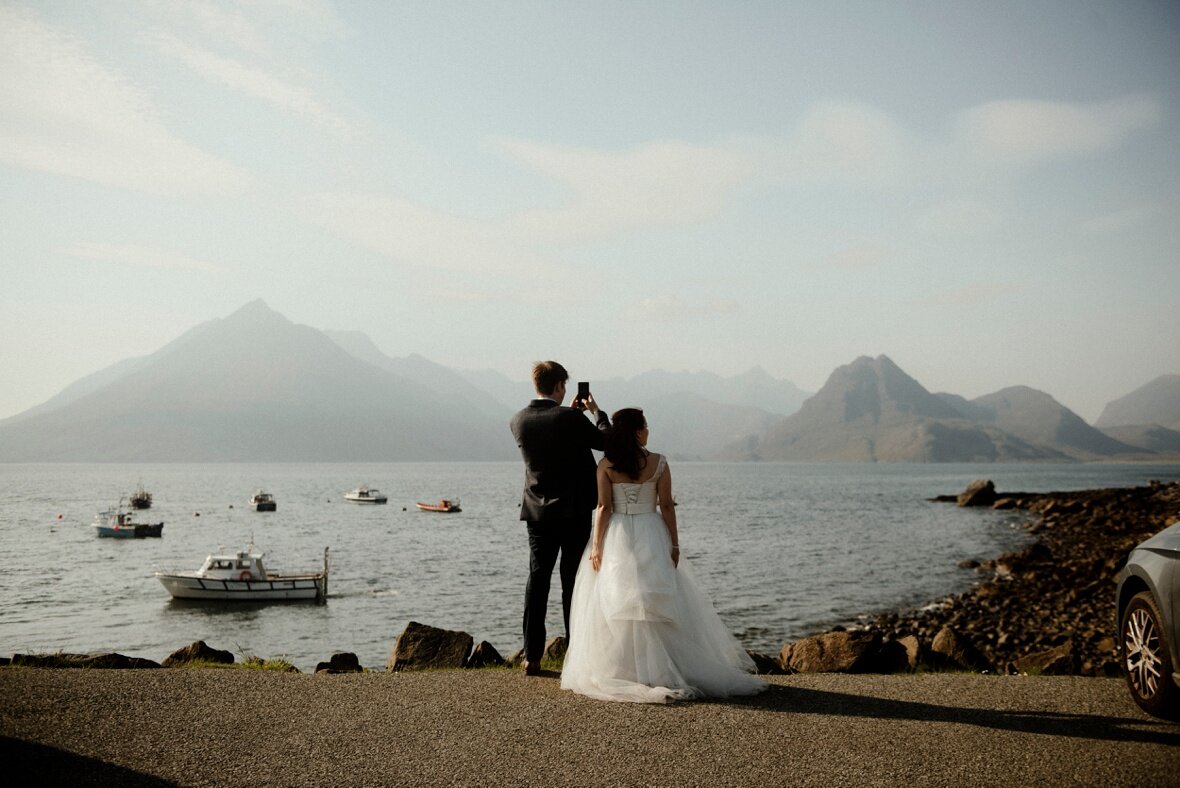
{"x":642,"y":630}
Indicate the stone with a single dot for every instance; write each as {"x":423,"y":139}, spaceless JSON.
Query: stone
{"x":555,"y":648}
{"x":110,"y":661}
{"x":516,"y":658}
{"x":765,"y":664}
{"x":423,"y":647}
{"x":1057,"y":661}
{"x":484,"y":655}
{"x":952,"y":650}
{"x":899,"y":656}
{"x":981,"y":492}
{"x":832,"y":652}
{"x":343,"y":662}
{"x":198,"y":652}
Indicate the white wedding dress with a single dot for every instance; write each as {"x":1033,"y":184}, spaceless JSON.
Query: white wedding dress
{"x":641,"y":629}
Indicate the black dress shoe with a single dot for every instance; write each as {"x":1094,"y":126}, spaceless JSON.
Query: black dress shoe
{"x":532,"y":668}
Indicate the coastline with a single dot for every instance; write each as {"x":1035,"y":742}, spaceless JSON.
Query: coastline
{"x":1046,"y":608}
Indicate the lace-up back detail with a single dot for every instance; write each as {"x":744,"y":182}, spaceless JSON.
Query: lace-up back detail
{"x":637,"y":497}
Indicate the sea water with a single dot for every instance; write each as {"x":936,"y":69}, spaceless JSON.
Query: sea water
{"x":785,"y":550}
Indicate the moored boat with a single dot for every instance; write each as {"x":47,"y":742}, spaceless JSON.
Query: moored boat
{"x":141,"y":498}
{"x":263,"y":501}
{"x":241,"y":577}
{"x":117,"y":524}
{"x":364,"y":494}
{"x":444,"y":505}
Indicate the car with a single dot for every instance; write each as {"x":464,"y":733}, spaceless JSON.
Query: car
{"x":1148,"y":609}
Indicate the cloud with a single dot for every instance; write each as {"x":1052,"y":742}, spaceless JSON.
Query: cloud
{"x":963,"y":216}
{"x":67,"y":114}
{"x":250,"y":27}
{"x":1123,"y":219}
{"x":670,"y":309}
{"x":862,"y":256}
{"x":254,"y":82}
{"x":139,"y":256}
{"x":1031,"y":131}
{"x":976,"y":293}
{"x":663,"y":183}
{"x":414,"y":235}
{"x":843,"y":141}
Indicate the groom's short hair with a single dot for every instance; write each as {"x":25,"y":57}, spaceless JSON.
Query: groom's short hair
{"x":546,"y":376}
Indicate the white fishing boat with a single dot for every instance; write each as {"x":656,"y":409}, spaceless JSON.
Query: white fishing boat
{"x":241,"y":577}
{"x":263,"y":501}
{"x":364,"y":494}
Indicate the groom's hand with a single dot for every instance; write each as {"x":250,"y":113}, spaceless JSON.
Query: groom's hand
{"x":589,"y":404}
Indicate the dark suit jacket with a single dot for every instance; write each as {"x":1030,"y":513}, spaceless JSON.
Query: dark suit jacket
{"x":559,"y":469}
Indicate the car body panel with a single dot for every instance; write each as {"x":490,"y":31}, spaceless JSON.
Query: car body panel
{"x":1154,"y":565}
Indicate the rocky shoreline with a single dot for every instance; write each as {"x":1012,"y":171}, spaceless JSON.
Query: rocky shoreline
{"x":1048,"y":608}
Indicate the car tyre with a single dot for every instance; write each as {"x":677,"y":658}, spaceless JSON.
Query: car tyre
{"x":1147,"y":664}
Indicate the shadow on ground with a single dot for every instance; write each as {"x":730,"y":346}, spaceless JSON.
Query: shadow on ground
{"x":799,"y":700}
{"x":44,"y":765}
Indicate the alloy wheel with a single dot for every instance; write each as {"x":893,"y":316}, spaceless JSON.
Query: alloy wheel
{"x":1141,"y":646}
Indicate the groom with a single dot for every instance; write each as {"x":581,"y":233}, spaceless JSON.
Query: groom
{"x":560,"y":493}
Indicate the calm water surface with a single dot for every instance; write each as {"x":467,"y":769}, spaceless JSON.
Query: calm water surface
{"x":786,"y":550}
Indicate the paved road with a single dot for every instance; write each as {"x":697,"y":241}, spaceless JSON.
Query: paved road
{"x":495,"y":727}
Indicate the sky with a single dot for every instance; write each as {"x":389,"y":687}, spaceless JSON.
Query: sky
{"x":986,"y":192}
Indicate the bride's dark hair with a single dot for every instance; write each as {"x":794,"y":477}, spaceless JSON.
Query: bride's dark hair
{"x":622,"y":442}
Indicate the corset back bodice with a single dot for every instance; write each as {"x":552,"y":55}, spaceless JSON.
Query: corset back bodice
{"x":636,"y":497}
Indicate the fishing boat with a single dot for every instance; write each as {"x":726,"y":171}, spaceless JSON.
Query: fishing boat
{"x":117,"y":524}
{"x":364,"y":494}
{"x":263,"y":501}
{"x":141,"y":498}
{"x":241,"y":577}
{"x":444,"y":505}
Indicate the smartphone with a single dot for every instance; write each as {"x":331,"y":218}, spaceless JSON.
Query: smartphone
{"x":583,"y":389}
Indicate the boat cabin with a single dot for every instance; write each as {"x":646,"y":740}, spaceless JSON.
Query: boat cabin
{"x":240,"y":566}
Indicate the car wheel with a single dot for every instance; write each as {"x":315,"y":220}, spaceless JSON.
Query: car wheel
{"x":1146,"y":660}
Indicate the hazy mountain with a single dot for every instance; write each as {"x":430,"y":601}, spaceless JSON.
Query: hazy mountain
{"x":450,"y":390}
{"x":872,"y":411}
{"x":1157,"y":402}
{"x":1150,"y":437}
{"x":84,"y":386}
{"x":253,"y":387}
{"x":693,"y":415}
{"x":1037,"y":418}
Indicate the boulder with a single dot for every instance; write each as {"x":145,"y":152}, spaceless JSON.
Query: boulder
{"x":981,"y":492}
{"x":832,"y":652}
{"x":198,"y":652}
{"x":344,"y":662}
{"x":99,"y":661}
{"x":765,"y":664}
{"x":555,"y":648}
{"x":898,"y":656}
{"x":952,"y":650}
{"x":484,"y":655}
{"x":423,"y":647}
{"x":1057,"y":661}
{"x":516,"y":658}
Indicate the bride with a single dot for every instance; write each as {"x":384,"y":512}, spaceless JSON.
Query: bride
{"x":640,"y":628}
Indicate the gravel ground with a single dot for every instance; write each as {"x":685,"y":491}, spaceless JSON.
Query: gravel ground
{"x":496,"y":727}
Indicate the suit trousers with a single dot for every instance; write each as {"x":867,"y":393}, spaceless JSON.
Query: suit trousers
{"x":567,"y":535}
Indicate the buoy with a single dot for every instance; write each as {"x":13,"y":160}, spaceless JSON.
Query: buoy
{"x":196,"y":514}
{"x":59,"y":517}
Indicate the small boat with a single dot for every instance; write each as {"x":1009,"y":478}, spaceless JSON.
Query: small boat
{"x":141,"y":498}
{"x":241,"y":577}
{"x":444,"y":505}
{"x":363,"y":494}
{"x":117,"y":524}
{"x":262,"y":501}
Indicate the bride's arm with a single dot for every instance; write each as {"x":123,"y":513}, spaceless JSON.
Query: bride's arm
{"x":668,"y":511}
{"x":601,"y":516}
